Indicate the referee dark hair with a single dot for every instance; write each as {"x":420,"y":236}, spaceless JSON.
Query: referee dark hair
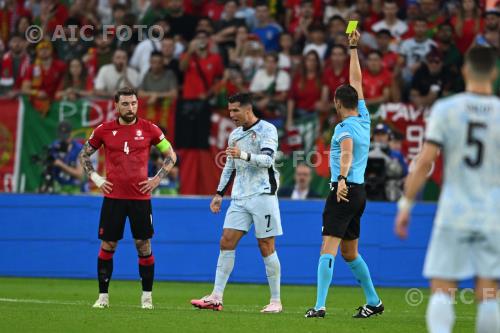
{"x":346,"y":202}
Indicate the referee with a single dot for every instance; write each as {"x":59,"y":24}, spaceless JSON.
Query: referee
{"x":346,"y":202}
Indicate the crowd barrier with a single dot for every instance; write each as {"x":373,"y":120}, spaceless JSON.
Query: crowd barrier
{"x":56,"y":236}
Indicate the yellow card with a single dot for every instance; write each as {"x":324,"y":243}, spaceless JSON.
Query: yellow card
{"x":351,"y":27}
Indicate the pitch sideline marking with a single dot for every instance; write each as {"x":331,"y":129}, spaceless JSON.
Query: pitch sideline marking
{"x":56,"y":302}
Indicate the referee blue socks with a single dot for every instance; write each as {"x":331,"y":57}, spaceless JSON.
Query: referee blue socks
{"x":362,"y":274}
{"x":325,"y":273}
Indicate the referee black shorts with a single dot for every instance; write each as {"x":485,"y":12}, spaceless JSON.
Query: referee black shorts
{"x":114,"y":213}
{"x":343,"y":219}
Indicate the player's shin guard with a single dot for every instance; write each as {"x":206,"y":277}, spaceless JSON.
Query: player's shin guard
{"x":273,"y":272}
{"x":147,"y":271}
{"x":488,"y":316}
{"x":104,"y":269}
{"x":325,"y":273}
{"x":225,"y":265}
{"x":440,"y":315}
{"x":361,"y":272}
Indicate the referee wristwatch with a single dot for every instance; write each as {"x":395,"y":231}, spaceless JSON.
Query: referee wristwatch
{"x":340,"y":177}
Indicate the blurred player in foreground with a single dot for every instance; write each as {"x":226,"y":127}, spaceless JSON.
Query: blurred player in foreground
{"x":347,"y":199}
{"x":465,"y":241}
{"x":127,"y":189}
{"x":250,"y":160}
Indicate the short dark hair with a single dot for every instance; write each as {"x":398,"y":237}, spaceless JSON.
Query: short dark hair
{"x":242,"y":98}
{"x":347,"y":96}
{"x":481,"y":60}
{"x":156,"y":54}
{"x":386,"y":32}
{"x":125,"y":91}
{"x":339,"y":46}
{"x":375,"y":51}
{"x":273,"y":55}
{"x":421,"y":18}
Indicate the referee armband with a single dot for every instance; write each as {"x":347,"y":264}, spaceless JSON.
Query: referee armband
{"x":164,"y":145}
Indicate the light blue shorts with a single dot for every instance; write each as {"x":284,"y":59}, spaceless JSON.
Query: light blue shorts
{"x":263,"y":211}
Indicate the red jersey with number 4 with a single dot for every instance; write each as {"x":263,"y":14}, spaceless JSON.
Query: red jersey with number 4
{"x":126,"y":150}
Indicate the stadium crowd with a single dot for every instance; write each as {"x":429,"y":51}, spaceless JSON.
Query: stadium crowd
{"x":290,"y":54}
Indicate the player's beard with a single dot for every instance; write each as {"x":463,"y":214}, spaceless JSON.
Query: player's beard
{"x":128,"y":117}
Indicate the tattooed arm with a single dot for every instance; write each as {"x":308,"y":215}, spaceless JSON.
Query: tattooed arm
{"x":149,"y":185}
{"x":88,"y":168}
{"x":84,"y":158}
{"x":168,"y":163}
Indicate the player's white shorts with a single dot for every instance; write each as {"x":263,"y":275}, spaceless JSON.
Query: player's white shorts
{"x":455,"y":254}
{"x":262,"y":210}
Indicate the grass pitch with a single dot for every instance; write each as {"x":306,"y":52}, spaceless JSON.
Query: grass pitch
{"x":60,"y":305}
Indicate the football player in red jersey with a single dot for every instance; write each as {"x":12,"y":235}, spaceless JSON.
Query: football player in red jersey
{"x":126,"y":187}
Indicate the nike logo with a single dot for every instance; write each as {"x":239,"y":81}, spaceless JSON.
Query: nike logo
{"x":267,"y":230}
{"x":114,"y":133}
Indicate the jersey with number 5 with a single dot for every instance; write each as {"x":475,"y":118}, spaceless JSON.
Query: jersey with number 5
{"x":467,"y":127}
{"x":126,"y":150}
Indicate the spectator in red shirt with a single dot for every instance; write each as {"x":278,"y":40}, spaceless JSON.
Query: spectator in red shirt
{"x":336,"y":25}
{"x":468,"y":23}
{"x":202,"y":69}
{"x":336,"y":73}
{"x":389,"y":58}
{"x":295,"y":8}
{"x":377,"y":81}
{"x":299,"y":26}
{"x":10,"y":12}
{"x":213,"y":9}
{"x":369,"y":17}
{"x":52,"y":14}
{"x":14,"y":65}
{"x":43,"y":77}
{"x":305,"y":93}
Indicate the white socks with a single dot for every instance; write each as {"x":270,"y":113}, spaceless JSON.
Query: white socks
{"x":440,"y":315}
{"x":488,"y":317}
{"x":273,"y":272}
{"x":225,"y":265}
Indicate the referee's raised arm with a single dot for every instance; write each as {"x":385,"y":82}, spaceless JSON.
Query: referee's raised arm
{"x":355,"y":77}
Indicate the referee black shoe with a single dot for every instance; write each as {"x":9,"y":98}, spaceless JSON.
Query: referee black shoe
{"x":367,"y":311}
{"x":313,"y":313}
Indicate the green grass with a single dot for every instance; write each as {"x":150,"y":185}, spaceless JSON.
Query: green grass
{"x":58,"y":305}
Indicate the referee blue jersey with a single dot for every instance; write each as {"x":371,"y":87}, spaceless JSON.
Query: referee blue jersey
{"x":358,"y":129}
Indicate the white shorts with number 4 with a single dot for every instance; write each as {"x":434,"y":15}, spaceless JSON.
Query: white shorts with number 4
{"x":455,"y":254}
{"x":262,"y":210}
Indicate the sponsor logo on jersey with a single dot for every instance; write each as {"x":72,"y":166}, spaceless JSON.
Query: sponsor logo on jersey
{"x":114,"y":132}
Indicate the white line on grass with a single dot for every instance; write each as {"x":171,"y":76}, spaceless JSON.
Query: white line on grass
{"x":232,"y":308}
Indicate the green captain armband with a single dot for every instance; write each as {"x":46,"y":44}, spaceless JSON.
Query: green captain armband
{"x":164,"y":145}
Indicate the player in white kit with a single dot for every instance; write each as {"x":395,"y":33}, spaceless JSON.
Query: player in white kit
{"x":250,"y":161}
{"x":465,"y":241}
